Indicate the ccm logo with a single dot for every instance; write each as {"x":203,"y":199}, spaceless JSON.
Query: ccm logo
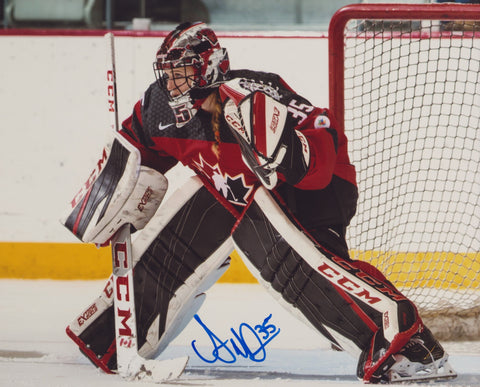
{"x":369,"y":280}
{"x":235,"y":124}
{"x":122,"y":290}
{"x":123,"y":294}
{"x":110,"y":91}
{"x":108,"y":289}
{"x":347,"y":284}
{"x":91,"y":179}
{"x":305,"y":146}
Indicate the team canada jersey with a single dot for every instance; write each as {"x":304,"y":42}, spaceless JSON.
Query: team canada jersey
{"x":152,"y":129}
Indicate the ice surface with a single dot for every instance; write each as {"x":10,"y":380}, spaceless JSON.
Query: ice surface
{"x":35,"y":351}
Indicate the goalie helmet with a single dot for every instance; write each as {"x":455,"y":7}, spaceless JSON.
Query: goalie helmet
{"x":191,"y":54}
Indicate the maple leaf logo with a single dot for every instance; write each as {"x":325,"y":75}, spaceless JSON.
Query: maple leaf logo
{"x":233,"y":188}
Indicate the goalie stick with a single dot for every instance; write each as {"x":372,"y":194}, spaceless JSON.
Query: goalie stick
{"x":130,"y":364}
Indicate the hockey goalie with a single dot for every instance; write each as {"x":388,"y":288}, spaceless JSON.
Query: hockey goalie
{"x":272,"y":181}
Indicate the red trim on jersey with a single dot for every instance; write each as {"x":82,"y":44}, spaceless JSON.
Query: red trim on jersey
{"x":138,"y":111}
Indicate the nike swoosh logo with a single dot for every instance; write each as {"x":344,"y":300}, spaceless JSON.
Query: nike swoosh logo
{"x":163,"y":127}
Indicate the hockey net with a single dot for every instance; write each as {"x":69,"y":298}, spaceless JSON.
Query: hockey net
{"x":406,"y":81}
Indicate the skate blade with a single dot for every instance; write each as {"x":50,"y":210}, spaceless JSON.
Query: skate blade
{"x":439,"y":372}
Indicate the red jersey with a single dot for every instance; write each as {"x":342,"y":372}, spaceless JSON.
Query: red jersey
{"x":151,"y":128}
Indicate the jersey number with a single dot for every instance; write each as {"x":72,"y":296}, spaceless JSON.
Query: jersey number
{"x":299,"y":111}
{"x":182,"y":114}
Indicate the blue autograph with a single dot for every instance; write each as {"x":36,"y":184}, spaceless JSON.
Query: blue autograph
{"x":257,"y":338}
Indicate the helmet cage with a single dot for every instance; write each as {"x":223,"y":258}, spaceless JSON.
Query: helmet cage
{"x":178,"y":74}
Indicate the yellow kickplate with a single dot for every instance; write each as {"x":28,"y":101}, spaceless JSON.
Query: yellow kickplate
{"x":77,"y":261}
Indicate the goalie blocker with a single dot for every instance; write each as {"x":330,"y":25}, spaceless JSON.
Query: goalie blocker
{"x":118,"y":191}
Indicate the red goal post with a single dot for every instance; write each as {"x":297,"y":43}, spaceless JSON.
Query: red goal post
{"x":405,"y":88}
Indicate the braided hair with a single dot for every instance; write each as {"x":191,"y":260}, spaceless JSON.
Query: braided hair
{"x":216,"y":119}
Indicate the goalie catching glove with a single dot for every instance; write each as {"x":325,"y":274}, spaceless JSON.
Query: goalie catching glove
{"x":118,"y":191}
{"x":269,"y":144}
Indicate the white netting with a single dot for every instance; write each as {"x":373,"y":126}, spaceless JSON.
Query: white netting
{"x":412,"y":116}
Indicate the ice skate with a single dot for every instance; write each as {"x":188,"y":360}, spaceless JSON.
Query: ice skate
{"x":422,"y":359}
